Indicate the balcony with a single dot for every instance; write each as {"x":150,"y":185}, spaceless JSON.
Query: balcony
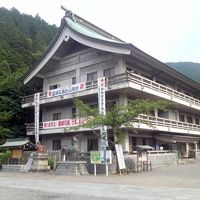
{"x":162,"y":124}
{"x":121,"y":81}
{"x":144,"y":122}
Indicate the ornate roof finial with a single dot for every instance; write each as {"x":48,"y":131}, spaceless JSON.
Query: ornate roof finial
{"x":68,"y":13}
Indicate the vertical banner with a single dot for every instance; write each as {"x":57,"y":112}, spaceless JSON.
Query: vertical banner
{"x":102,"y":110}
{"x":36,"y":116}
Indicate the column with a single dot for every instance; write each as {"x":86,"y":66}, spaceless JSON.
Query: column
{"x":125,"y":142}
{"x":187,"y":149}
{"x":121,"y":68}
{"x":78,"y":75}
{"x":122,"y":100}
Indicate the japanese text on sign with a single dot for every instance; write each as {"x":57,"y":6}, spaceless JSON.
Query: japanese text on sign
{"x":66,"y":90}
{"x":63,"y":123}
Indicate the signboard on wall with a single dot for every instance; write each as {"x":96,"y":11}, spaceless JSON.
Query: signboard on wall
{"x":102,"y":109}
{"x":64,"y":123}
{"x":66,"y":90}
{"x":120,"y":156}
{"x":36,"y":116}
{"x":16,"y":153}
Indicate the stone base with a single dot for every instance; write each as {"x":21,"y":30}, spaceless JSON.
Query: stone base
{"x":13,"y":168}
{"x":71,"y":168}
{"x":40,"y":162}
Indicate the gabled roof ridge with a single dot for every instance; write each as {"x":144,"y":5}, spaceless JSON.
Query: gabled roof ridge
{"x":89,"y":25}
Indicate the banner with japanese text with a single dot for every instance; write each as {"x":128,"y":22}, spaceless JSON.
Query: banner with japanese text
{"x":102,"y":110}
{"x":66,"y":90}
{"x":64,"y":123}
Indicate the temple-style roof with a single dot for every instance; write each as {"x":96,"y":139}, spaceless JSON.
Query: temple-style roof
{"x":78,"y":29}
{"x":17,"y":143}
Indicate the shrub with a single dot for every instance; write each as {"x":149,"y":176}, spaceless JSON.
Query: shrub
{"x":4,"y":156}
{"x":50,"y":162}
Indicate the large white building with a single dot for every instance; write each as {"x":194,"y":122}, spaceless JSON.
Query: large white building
{"x":79,"y":54}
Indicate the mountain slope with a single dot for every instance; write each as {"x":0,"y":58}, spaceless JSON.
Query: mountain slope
{"x":23,"y":39}
{"x":190,"y":69}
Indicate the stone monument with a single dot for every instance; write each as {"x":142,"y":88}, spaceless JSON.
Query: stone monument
{"x":71,"y":164}
{"x":40,"y":160}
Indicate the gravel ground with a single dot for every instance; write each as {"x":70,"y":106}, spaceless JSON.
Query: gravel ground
{"x":166,"y":183}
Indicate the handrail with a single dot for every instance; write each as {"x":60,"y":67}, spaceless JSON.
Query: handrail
{"x":149,"y":120}
{"x":133,"y":78}
{"x":158,"y":121}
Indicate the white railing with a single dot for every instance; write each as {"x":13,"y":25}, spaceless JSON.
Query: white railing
{"x":151,"y":121}
{"x":158,"y":121}
{"x":133,"y":78}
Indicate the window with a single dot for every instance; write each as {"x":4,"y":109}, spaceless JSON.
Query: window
{"x":52,"y":87}
{"x":189,"y":119}
{"x":56,"y":116}
{"x":73,"y":112}
{"x":73,"y":80}
{"x":56,"y":144}
{"x":181,"y":118}
{"x":92,"y":144}
{"x":197,"y":121}
{"x":109,"y":72}
{"x":92,"y":76}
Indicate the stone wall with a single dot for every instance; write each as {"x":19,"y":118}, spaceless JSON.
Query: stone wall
{"x":157,"y":159}
{"x":13,"y":168}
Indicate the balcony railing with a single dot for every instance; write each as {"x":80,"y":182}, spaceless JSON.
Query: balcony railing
{"x":151,"y":121}
{"x":154,"y":122}
{"x":130,"y":77}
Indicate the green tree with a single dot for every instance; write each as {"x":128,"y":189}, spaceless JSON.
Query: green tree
{"x":118,"y":116}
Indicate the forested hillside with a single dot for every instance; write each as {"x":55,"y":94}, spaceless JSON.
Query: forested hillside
{"x":23,"y":39}
{"x":190,"y":69}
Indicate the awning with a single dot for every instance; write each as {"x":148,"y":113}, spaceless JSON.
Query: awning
{"x":17,"y":142}
{"x":144,"y":147}
{"x":177,"y":138}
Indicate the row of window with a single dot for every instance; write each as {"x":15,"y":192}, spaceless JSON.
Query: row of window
{"x":188,"y":119}
{"x":90,"y":77}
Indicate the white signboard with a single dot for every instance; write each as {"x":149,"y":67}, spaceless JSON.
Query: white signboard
{"x":102,"y":110}
{"x":63,"y":123}
{"x":37,"y":115}
{"x":120,"y":156}
{"x":66,"y":90}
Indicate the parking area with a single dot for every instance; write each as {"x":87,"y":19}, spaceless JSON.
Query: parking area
{"x":170,"y":182}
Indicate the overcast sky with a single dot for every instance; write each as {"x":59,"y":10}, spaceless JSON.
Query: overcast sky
{"x":168,"y":30}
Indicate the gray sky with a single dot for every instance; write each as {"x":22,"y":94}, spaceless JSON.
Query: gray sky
{"x":168,"y":30}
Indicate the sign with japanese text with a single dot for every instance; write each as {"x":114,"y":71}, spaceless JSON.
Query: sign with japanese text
{"x":120,"y":156}
{"x":16,"y":153}
{"x":63,"y":123}
{"x":66,"y":90}
{"x":97,"y":157}
{"x":102,"y":110}
{"x":36,"y":115}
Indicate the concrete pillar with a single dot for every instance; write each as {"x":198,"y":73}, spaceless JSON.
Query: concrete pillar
{"x":83,"y":147}
{"x":177,"y":115}
{"x":156,"y":112}
{"x":122,"y":100}
{"x":193,"y":118}
{"x":78,"y":75}
{"x":121,"y":66}
{"x":125,"y":142}
{"x":187,"y":149}
{"x":195,"y":146}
